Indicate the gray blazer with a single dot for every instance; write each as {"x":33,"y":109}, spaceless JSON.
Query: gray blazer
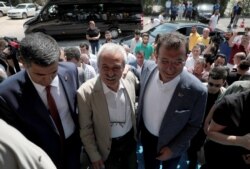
{"x":185,"y":112}
{"x":94,"y":120}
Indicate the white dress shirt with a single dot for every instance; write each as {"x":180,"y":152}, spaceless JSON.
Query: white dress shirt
{"x":157,"y":98}
{"x":119,"y":110}
{"x":61,"y":103}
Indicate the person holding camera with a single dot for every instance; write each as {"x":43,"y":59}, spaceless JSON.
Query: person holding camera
{"x":9,"y":64}
{"x":238,"y":46}
{"x":3,"y":63}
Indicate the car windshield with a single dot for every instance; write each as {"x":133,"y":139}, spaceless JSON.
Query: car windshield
{"x":20,"y":6}
{"x":164,"y":28}
{"x":205,"y":7}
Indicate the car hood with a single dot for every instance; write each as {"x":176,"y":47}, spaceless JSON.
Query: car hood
{"x":30,"y":20}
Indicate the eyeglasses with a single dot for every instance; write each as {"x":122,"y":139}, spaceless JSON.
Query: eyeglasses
{"x":215,"y":85}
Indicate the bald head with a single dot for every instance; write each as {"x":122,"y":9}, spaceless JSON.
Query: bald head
{"x":206,"y":32}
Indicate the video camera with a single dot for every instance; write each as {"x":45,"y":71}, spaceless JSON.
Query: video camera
{"x":13,"y":46}
{"x":216,"y":37}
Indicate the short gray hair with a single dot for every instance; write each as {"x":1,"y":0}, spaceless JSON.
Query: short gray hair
{"x":112,"y":48}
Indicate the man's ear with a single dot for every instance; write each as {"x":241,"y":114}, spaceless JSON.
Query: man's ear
{"x":156,"y":57}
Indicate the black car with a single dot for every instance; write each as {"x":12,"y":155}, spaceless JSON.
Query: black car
{"x":70,"y":17}
{"x":183,"y":28}
{"x":203,"y":11}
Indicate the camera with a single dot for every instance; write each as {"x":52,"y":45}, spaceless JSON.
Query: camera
{"x":13,"y":51}
{"x":241,"y":33}
{"x":216,"y":37}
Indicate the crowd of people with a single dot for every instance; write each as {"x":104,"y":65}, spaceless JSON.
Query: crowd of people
{"x":74,"y":107}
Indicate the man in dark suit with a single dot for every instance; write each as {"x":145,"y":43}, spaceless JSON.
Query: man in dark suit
{"x":171,"y":104}
{"x":40,"y":101}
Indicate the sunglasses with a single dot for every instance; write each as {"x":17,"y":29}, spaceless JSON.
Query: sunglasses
{"x":215,"y":85}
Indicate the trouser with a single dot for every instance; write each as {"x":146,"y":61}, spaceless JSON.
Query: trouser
{"x":94,"y":46}
{"x":149,"y":143}
{"x":123,"y":153}
{"x":231,"y":21}
{"x":235,"y":21}
{"x":220,"y":156}
{"x":195,"y":145}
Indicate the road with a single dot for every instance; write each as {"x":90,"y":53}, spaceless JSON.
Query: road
{"x":14,"y":28}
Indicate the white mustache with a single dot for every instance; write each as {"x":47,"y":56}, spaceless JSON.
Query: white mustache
{"x":110,"y":78}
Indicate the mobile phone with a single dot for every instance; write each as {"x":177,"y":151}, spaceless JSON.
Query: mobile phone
{"x":241,"y":33}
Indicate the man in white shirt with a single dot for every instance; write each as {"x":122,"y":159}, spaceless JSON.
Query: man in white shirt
{"x":171,"y":104}
{"x":214,"y":20}
{"x":84,"y":48}
{"x":107,"y":113}
{"x":135,"y":41}
{"x":194,"y":55}
{"x":89,"y":71}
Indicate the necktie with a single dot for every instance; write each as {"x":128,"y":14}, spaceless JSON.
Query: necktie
{"x":54,"y":114}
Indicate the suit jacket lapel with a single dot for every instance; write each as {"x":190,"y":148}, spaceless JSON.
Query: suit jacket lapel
{"x":147,"y":73}
{"x":31,"y":96}
{"x":179,"y":93}
{"x":128,"y":90}
{"x":66,"y":82}
{"x":102,"y":103}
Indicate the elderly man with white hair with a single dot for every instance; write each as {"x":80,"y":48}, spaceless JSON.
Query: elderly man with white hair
{"x":107,"y":112}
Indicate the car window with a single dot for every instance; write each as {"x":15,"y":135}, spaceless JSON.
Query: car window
{"x":188,"y":30}
{"x":183,"y":31}
{"x":205,"y":7}
{"x":1,"y":5}
{"x":20,"y":6}
{"x":31,"y":6}
{"x":200,"y":29}
{"x":164,"y":28}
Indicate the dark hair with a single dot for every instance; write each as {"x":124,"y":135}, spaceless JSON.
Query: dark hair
{"x":83,"y":44}
{"x":219,"y":72}
{"x":157,"y":38}
{"x":244,"y":65}
{"x":2,"y":44}
{"x":145,"y":34}
{"x":137,"y":32}
{"x":172,"y":40}
{"x":107,"y":32}
{"x":221,"y":55}
{"x":40,"y":49}
{"x":72,"y":53}
{"x":209,"y":58}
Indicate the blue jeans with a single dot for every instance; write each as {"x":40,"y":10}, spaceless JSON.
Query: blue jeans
{"x":94,"y":46}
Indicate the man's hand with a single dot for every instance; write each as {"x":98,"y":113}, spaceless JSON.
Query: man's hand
{"x":246,"y":141}
{"x":165,"y":154}
{"x":98,"y":165}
